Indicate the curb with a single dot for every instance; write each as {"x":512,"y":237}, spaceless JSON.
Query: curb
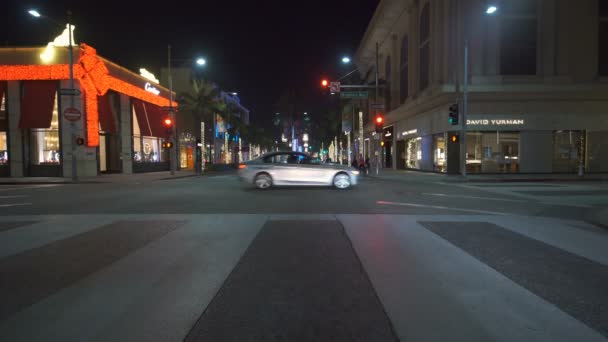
{"x":47,"y":183}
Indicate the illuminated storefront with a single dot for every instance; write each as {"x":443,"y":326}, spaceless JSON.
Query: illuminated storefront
{"x":522,"y":143}
{"x":116,"y":114}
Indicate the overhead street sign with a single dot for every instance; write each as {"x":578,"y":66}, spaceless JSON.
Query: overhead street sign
{"x":69,"y":92}
{"x":334,"y":87}
{"x":354,"y":94}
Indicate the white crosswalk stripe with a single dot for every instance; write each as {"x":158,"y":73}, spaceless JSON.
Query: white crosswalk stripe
{"x":431,"y":289}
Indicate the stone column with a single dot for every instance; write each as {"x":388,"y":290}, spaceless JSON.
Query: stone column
{"x":15,"y":134}
{"x":126,"y":135}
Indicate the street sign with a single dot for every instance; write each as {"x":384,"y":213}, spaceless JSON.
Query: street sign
{"x":354,"y":94}
{"x":69,"y":92}
{"x":334,"y":87}
{"x":169,"y":109}
{"x":72,"y":114}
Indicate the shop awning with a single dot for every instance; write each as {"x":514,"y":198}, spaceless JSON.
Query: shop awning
{"x":37,"y":102}
{"x":3,"y":118}
{"x":142,"y":117}
{"x":156,"y":115}
{"x":150,"y":118}
{"x":106,"y":117}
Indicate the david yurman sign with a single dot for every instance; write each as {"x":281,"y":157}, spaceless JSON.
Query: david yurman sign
{"x":496,"y":122}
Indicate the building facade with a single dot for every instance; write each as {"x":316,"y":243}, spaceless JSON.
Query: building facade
{"x":112,"y":123}
{"x":537,"y":84}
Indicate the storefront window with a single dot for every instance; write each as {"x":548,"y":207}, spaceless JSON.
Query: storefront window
{"x":3,"y":131}
{"x":566,"y":150}
{"x":492,"y":152}
{"x":45,"y":147}
{"x":597,"y":151}
{"x":413,"y":153}
{"x":146,"y":149}
{"x":439,"y":153}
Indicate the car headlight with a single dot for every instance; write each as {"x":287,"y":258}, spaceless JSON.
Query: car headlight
{"x":355,"y":172}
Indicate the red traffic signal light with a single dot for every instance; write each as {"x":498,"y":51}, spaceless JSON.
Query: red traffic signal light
{"x":378,"y":123}
{"x":168,"y":122}
{"x":324,"y":83}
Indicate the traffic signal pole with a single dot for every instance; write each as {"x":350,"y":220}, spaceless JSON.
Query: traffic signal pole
{"x":172,"y":151}
{"x":465,"y":108}
{"x":378,"y":150}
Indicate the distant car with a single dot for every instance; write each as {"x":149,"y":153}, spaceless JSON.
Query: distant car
{"x":295,"y":168}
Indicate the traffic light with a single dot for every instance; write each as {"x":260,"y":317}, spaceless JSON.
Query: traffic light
{"x":454,"y":137}
{"x":379,"y":122}
{"x":168,"y":123}
{"x":453,"y":115}
{"x":324,"y":83}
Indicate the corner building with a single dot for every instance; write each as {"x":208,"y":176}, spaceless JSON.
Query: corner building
{"x":113,"y":124}
{"x":537,"y":75}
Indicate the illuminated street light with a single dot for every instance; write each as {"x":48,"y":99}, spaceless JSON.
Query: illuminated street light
{"x":345,"y":60}
{"x":491,"y":9}
{"x":34,"y":13}
{"x":201,"y":61}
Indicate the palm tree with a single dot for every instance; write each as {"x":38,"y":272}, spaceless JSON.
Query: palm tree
{"x":203,"y":101}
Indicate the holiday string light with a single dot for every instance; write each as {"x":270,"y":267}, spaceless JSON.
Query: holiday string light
{"x":95,"y":80}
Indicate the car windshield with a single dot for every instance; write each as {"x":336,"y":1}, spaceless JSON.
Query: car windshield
{"x":376,"y":170}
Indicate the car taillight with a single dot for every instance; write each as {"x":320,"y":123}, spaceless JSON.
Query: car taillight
{"x":242,"y":166}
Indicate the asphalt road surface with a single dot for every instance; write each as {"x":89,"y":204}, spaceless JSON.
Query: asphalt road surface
{"x":212,"y":259}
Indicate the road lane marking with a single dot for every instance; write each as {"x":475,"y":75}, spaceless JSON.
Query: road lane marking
{"x":474,"y":197}
{"x":440,"y":207}
{"x":31,"y":187}
{"x":13,"y":204}
{"x":12,"y":196}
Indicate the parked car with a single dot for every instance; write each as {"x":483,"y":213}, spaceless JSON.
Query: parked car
{"x":295,"y":168}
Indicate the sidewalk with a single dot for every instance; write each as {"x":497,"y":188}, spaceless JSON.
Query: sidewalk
{"x":390,"y":174}
{"x":103,"y":178}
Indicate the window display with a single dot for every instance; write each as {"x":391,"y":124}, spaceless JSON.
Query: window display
{"x":146,"y":149}
{"x":566,"y":150}
{"x":413,"y":153}
{"x":492,"y":152}
{"x":439,"y":153}
{"x":45,"y":146}
{"x":3,"y":133}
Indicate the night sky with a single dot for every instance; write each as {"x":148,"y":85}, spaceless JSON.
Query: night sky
{"x":257,"y":48}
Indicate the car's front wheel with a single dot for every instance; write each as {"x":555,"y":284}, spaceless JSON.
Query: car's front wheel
{"x":342,"y":181}
{"x":262,"y":181}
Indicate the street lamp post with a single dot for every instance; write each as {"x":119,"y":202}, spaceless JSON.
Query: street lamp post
{"x":172,"y":151}
{"x":173,"y":139}
{"x":491,"y":10}
{"x":72,"y":91}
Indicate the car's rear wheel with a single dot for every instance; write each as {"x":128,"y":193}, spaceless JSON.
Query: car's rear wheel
{"x":342,"y":181}
{"x":262,"y":181}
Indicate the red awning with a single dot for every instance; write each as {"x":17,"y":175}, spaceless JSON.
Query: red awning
{"x":106,"y":117}
{"x":37,"y":102}
{"x":3,"y":118}
{"x":142,"y":117}
{"x":156,"y":115}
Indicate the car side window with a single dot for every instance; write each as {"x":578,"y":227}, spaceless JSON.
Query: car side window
{"x":276,"y":159}
{"x":293,"y":159}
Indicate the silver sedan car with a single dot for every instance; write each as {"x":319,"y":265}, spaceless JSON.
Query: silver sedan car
{"x":295,"y":168}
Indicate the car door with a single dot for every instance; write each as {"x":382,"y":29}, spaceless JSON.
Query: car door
{"x":276,"y":166}
{"x":311,"y":172}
